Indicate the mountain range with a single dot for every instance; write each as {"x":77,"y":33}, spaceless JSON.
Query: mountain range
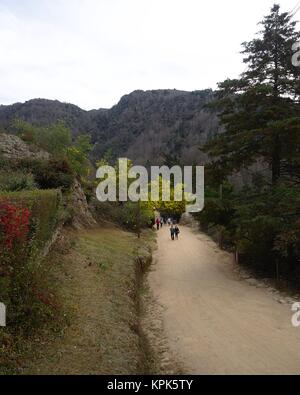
{"x":159,"y":126}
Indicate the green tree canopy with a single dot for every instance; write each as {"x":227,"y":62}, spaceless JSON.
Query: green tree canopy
{"x":260,"y":111}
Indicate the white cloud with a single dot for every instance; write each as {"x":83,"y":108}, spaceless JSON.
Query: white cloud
{"x":91,"y":52}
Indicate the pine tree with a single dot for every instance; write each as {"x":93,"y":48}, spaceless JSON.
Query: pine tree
{"x":261,"y":110}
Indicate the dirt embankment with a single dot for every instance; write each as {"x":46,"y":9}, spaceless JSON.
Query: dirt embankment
{"x":97,"y":282}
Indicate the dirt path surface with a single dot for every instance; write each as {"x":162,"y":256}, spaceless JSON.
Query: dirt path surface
{"x":215,"y":322}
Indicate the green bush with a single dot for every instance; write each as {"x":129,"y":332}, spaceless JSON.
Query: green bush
{"x":78,"y":153}
{"x":133,"y":216}
{"x":107,"y":211}
{"x":54,"y":139}
{"x":54,"y":174}
{"x":48,"y":174}
{"x":262,"y":224}
{"x":16,"y":181}
{"x":127,"y":215}
{"x":57,"y":140}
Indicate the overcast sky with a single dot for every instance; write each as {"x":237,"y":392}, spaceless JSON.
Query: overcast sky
{"x":91,"y":52}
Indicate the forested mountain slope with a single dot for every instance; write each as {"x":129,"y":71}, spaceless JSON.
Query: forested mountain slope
{"x":161,"y":126}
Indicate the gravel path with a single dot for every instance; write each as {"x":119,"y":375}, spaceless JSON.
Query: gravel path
{"x":216,"y":322}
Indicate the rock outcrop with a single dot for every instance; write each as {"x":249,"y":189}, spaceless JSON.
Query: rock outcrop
{"x":12,"y":147}
{"x":82,"y":217}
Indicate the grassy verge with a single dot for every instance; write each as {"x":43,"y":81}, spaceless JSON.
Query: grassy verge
{"x":28,"y":220}
{"x":94,"y":276}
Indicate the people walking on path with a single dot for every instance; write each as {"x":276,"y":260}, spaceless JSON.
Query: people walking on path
{"x":161,"y":222}
{"x":172,"y":231}
{"x":158,"y":223}
{"x":176,"y":232}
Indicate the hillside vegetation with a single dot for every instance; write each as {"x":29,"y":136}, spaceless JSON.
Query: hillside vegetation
{"x":37,"y":190}
{"x":148,"y":127}
{"x":260,"y":112}
{"x":90,"y":280}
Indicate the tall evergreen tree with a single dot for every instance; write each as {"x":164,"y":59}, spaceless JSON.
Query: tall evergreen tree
{"x":261,"y":110}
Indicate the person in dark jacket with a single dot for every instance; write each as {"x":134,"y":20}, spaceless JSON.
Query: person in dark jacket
{"x":172,"y":231}
{"x":158,"y":223}
{"x":176,"y":232}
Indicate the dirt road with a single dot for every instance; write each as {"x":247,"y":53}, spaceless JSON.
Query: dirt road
{"x":215,"y":322}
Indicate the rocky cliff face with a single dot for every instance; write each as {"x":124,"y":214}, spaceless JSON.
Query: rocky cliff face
{"x":155,"y":127}
{"x":149,"y":127}
{"x":12,"y":147}
{"x":82,"y":217}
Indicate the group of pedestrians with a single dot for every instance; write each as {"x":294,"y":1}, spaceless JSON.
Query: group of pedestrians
{"x":159,"y":223}
{"x":174,"y":229}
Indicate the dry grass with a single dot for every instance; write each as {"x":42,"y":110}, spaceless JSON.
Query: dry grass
{"x":95,"y":280}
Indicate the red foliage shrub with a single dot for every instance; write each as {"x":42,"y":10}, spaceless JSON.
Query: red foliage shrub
{"x":14,"y":225}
